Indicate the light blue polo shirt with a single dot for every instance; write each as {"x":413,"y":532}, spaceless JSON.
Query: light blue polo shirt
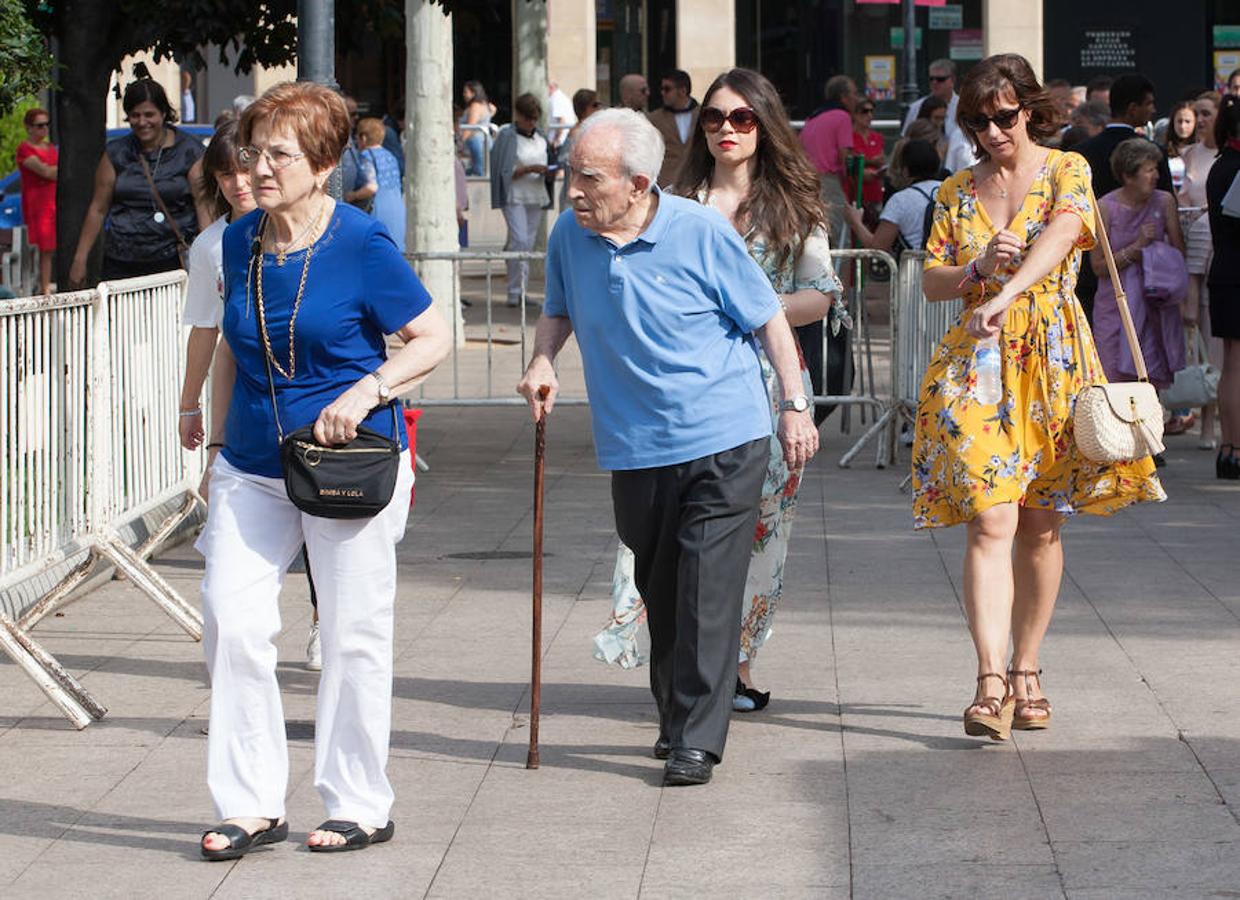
{"x":665,"y":327}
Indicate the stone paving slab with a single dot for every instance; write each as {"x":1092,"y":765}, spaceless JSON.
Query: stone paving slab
{"x":856,"y":782}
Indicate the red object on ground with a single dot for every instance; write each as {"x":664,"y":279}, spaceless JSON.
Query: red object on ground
{"x":411,"y":427}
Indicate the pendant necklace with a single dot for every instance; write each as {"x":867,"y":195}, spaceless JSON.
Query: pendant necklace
{"x":311,"y":224}
{"x":159,"y":213}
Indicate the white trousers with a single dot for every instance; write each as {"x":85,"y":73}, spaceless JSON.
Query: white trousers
{"x":522,"y":220}
{"x":252,"y":534}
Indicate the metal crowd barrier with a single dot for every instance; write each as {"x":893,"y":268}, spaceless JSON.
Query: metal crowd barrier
{"x":88,"y":428}
{"x":495,"y":383}
{"x":19,"y":262}
{"x":490,"y":379}
{"x":917,"y":328}
{"x":867,"y":393}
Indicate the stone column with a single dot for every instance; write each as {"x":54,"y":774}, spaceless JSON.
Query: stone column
{"x":705,"y":41}
{"x":430,"y":188}
{"x":1014,"y":26}
{"x":572,"y":45}
{"x":529,"y":50}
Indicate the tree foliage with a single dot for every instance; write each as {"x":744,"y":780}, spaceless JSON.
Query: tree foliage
{"x":25,"y":64}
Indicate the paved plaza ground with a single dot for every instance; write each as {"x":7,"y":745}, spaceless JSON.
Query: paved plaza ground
{"x":857,"y":781}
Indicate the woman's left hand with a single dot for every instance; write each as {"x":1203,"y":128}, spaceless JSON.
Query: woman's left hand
{"x":337,"y":423}
{"x":987,"y":319}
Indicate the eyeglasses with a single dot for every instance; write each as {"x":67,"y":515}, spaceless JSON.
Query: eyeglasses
{"x":1004,"y":118}
{"x":866,"y":111}
{"x":277,"y":159}
{"x":939,"y":79}
{"x":39,"y":124}
{"x":743,"y":119}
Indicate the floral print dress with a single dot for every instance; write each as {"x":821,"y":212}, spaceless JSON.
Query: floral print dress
{"x":764,"y":584}
{"x":968,"y":456}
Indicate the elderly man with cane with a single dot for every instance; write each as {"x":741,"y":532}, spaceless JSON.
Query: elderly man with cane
{"x":666,"y":301}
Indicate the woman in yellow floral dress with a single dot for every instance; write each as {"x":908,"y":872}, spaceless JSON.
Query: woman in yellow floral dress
{"x":1008,"y":235}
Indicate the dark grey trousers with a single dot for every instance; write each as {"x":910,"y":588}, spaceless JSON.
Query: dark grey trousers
{"x":690,"y":527}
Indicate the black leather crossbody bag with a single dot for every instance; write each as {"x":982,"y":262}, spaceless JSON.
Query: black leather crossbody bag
{"x":353,"y":481}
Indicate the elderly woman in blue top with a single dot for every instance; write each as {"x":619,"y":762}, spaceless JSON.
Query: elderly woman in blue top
{"x":665,"y":299}
{"x":311,"y":288}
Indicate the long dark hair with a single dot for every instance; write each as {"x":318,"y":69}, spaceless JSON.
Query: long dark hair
{"x":1227,"y":125}
{"x":1001,"y":74}
{"x":480,"y":93}
{"x":220,"y":159}
{"x":783,"y":205}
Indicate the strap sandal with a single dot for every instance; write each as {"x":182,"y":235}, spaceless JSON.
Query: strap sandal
{"x":747,"y":699}
{"x":1021,"y":720}
{"x":990,"y":716}
{"x":355,"y":837}
{"x":240,"y":841}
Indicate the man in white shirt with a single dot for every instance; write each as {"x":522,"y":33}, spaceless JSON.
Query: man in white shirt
{"x":943,"y":86}
{"x":560,"y":115}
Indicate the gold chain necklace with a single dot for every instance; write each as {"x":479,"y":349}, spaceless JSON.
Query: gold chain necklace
{"x":310,"y":226}
{"x":292,"y":321}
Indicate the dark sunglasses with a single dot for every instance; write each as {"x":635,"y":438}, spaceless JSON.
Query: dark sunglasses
{"x":866,"y":110}
{"x":39,"y":124}
{"x":940,"y":78}
{"x":743,"y":119}
{"x":1005,"y":119}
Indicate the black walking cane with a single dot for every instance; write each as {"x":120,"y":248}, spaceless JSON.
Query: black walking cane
{"x":540,"y":452}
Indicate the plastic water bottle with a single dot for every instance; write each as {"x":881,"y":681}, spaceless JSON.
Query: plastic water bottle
{"x":986,"y":365}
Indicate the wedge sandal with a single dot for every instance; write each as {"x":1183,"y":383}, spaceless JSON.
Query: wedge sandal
{"x":240,"y":841}
{"x":1021,"y":720}
{"x":995,"y":719}
{"x":355,"y":837}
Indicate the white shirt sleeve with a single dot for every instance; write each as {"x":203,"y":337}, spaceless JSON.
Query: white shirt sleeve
{"x":204,"y":292}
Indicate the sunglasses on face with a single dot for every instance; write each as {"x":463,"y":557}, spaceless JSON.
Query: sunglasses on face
{"x":939,"y":79}
{"x":38,"y":124}
{"x":1004,"y":118}
{"x":743,"y":119}
{"x":866,"y":110}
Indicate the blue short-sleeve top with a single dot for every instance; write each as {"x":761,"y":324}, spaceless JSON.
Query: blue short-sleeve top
{"x":358,"y":289}
{"x":665,"y":328}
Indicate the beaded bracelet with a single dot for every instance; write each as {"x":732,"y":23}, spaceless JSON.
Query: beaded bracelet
{"x":186,"y":413}
{"x":971,"y":274}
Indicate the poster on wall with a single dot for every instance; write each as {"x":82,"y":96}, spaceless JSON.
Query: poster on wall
{"x":1109,"y":49}
{"x":966,"y":44}
{"x":946,"y":18}
{"x":1225,"y":62}
{"x":880,"y":77}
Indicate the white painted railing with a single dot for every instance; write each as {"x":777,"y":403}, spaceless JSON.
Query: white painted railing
{"x":88,"y":429}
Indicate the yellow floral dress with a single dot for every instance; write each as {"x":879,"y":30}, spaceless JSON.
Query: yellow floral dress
{"x":968,"y":456}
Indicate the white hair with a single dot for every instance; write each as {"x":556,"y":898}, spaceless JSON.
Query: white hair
{"x":641,"y":145}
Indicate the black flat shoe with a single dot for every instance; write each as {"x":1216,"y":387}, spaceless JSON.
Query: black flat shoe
{"x":662,"y":748}
{"x":688,"y":766}
{"x":240,"y":841}
{"x":747,"y":699}
{"x":355,"y":837}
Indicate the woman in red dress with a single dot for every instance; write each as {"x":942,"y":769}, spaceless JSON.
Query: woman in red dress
{"x":868,"y":143}
{"x":37,"y":160}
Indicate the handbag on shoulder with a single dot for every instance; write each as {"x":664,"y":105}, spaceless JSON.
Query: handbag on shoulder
{"x":1120,"y":421}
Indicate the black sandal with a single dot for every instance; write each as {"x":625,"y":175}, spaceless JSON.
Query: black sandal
{"x":240,"y":841}
{"x":747,"y":699}
{"x":355,"y":837}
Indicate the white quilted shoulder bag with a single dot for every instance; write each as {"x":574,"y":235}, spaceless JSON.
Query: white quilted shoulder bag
{"x":1123,"y":421}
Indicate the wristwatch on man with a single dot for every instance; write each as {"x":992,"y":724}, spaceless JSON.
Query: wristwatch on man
{"x":385,"y":392}
{"x":799,"y":403}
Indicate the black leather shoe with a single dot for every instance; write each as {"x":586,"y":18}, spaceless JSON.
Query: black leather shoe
{"x":662,"y":748}
{"x":688,"y":766}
